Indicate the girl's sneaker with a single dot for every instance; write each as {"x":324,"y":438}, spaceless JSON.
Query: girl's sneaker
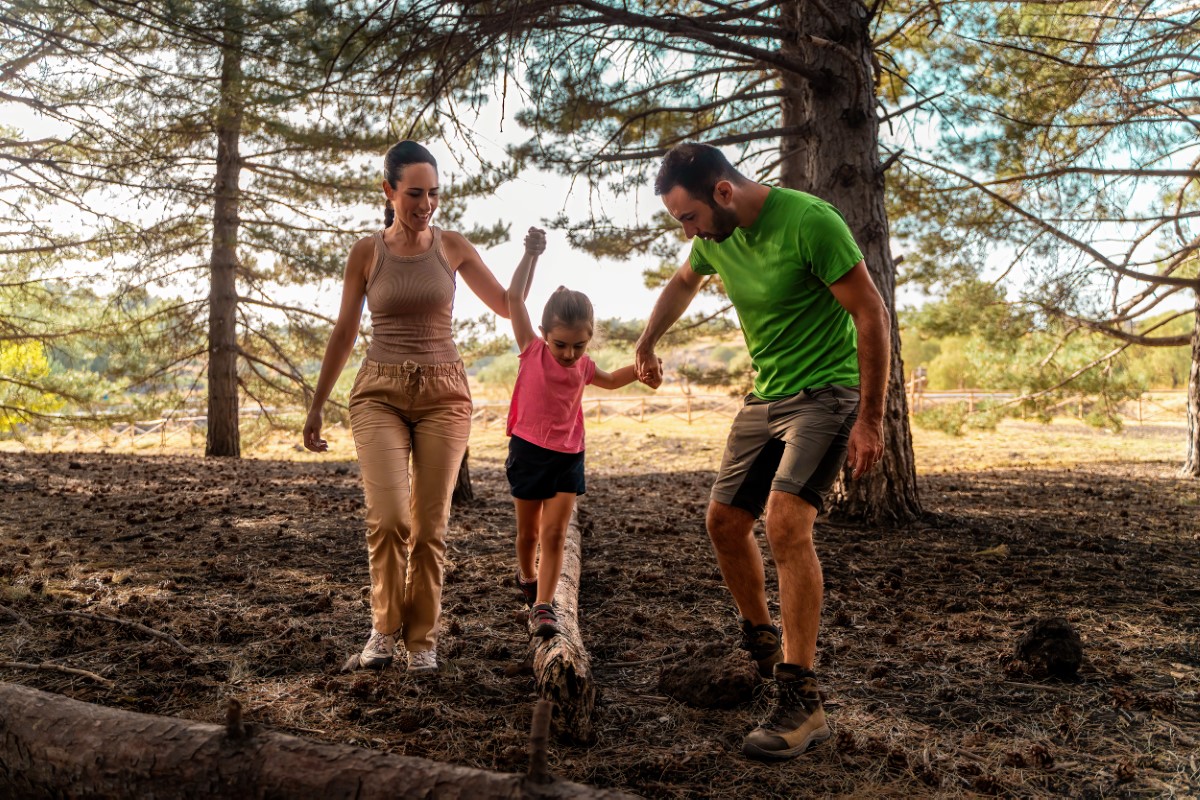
{"x":528,"y":589}
{"x":543,"y":620}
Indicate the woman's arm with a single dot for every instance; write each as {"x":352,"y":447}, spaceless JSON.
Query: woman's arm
{"x":341,"y":339}
{"x":465,"y":260}
{"x":615,"y":379}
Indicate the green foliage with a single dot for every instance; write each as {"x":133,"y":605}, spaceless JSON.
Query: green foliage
{"x":954,"y":418}
{"x":500,"y":372}
{"x":1163,"y":367}
{"x":949,"y":418}
{"x":23,"y":368}
{"x":476,"y":338}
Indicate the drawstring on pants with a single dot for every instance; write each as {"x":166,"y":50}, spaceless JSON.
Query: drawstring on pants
{"x":414,"y":377}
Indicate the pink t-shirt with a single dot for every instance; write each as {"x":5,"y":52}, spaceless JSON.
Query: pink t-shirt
{"x":547,"y":401}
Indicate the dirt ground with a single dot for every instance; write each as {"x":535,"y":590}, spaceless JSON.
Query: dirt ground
{"x":259,"y":566}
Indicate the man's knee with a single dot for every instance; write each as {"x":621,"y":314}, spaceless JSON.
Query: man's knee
{"x":726,"y":522}
{"x":789,"y":521}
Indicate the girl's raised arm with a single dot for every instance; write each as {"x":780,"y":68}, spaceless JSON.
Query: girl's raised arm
{"x":518,"y":289}
{"x":466,"y":261}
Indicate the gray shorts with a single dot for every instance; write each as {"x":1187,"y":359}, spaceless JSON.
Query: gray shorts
{"x":795,"y":445}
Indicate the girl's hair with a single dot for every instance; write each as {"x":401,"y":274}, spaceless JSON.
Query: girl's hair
{"x":399,"y":156}
{"x":567,"y":307}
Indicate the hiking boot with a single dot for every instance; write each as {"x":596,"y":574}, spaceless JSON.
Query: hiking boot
{"x":543,"y":621}
{"x":422,"y":662}
{"x":796,"y":720}
{"x":528,"y":589}
{"x":378,"y":652}
{"x":762,"y":642}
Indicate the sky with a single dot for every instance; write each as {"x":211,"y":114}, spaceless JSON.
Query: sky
{"x":616,"y":288}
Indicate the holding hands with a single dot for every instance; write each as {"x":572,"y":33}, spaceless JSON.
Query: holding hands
{"x":649,"y":367}
{"x":535,"y":242}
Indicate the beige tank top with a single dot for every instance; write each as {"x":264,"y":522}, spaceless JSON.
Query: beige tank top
{"x":411,"y":300}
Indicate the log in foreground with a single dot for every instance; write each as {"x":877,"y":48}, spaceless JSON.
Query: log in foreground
{"x":561,"y":667}
{"x":52,"y":746}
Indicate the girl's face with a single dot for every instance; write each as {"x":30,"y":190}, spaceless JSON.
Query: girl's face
{"x":415,"y":197}
{"x":567,"y":343}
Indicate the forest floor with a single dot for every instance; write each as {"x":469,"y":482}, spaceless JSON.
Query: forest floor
{"x":258,"y":565}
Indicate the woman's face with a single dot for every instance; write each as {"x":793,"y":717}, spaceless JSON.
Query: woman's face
{"x":415,"y":196}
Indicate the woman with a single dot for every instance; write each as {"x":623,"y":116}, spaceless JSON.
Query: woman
{"x":410,"y":399}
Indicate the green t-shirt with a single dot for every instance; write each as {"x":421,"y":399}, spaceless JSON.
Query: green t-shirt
{"x":777,"y":273}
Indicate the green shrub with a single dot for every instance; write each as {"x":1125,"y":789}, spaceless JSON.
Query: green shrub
{"x":949,"y":418}
{"x":987,"y":416}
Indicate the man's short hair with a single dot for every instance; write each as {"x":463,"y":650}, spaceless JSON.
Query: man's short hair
{"x":697,"y":168}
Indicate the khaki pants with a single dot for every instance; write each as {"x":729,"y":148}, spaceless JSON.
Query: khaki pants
{"x":400,"y":412}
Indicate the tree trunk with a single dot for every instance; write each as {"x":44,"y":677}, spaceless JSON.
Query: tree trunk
{"x":561,"y":667}
{"x":223,"y":437}
{"x":52,"y":746}
{"x":463,"y":491}
{"x":837,"y":158}
{"x":1191,"y":467}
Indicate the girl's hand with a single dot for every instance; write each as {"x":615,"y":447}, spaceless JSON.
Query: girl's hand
{"x":535,"y":241}
{"x":312,"y":433}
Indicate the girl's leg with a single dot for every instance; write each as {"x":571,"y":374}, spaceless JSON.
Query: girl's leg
{"x":556,"y":515}
{"x":529,"y":522}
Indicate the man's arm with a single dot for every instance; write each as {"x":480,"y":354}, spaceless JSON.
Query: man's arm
{"x":676,"y":296}
{"x":857,"y":293}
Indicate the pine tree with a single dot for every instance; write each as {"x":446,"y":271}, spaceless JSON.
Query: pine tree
{"x":212,"y":149}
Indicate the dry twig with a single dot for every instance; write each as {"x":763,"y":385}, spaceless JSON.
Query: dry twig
{"x":624,"y":664}
{"x":55,"y":668}
{"x":14,"y":615}
{"x":127,"y":623}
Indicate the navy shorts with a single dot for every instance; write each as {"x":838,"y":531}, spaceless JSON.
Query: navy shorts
{"x":795,"y":444}
{"x":535,"y":473}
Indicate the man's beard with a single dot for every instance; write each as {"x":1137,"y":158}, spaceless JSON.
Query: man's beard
{"x":724,"y":223}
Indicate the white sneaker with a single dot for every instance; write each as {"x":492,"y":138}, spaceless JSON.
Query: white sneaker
{"x":378,"y":652}
{"x":423,"y":661}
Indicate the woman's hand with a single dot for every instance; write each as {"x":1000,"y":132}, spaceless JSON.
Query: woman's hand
{"x":312,"y":432}
{"x":535,"y":241}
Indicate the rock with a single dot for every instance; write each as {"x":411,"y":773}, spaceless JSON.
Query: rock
{"x":1051,"y":647}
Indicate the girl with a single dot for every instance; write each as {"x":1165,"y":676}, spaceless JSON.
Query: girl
{"x":545,"y":423}
{"x":410,"y":397}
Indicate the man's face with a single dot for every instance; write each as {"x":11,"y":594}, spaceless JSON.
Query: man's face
{"x":710,"y":221}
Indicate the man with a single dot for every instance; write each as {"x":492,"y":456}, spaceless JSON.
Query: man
{"x":817,"y":331}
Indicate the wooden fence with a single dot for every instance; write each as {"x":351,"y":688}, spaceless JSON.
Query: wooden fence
{"x":1149,"y":407}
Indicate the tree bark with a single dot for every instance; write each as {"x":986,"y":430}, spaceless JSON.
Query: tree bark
{"x":52,"y":746}
{"x":1191,"y":466}
{"x":837,"y":159}
{"x":223,"y":438}
{"x":562,"y":668}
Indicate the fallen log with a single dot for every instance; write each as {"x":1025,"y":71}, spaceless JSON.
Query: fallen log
{"x":562,"y":669}
{"x":53,"y":746}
